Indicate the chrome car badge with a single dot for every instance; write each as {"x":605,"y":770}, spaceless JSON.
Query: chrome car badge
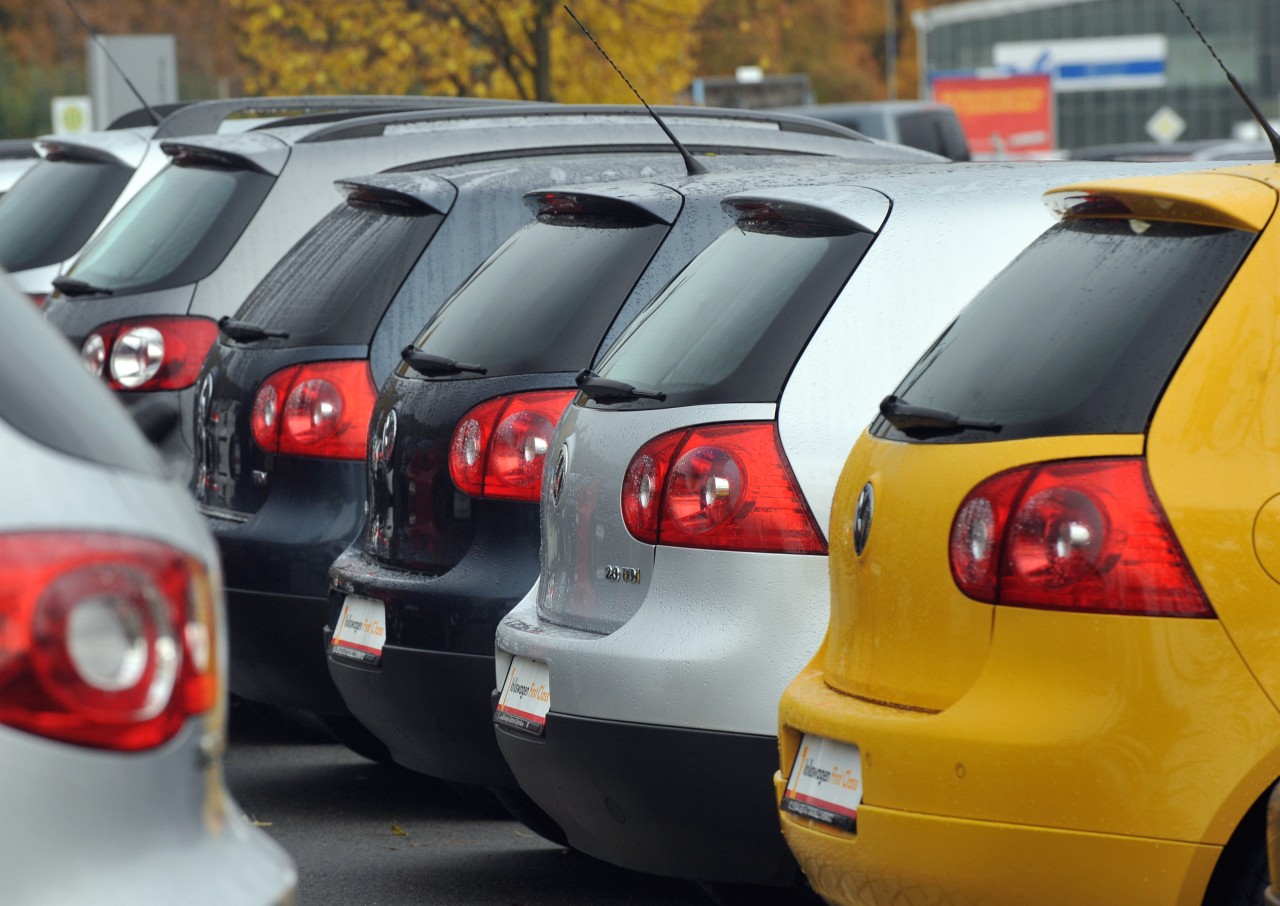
{"x":385,"y":441}
{"x":862,"y":518}
{"x":204,"y":396}
{"x":557,"y":476}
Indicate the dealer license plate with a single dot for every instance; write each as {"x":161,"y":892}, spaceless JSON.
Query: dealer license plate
{"x":361,"y":630}
{"x":825,"y":782}
{"x":525,"y":698}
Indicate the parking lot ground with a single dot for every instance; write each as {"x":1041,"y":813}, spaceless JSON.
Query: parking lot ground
{"x":368,"y":834}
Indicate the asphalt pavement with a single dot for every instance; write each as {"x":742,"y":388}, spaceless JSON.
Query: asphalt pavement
{"x":364,"y":834}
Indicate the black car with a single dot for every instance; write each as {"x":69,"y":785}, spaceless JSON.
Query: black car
{"x":456,"y":460}
{"x":282,"y":412}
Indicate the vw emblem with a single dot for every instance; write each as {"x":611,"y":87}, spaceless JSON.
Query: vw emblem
{"x":557,"y":477}
{"x":862,"y":518}
{"x":204,"y":397}
{"x":385,"y":441}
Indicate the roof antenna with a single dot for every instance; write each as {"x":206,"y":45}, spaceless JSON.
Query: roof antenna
{"x":155,"y":118}
{"x":1267,"y":128}
{"x":692,"y":166}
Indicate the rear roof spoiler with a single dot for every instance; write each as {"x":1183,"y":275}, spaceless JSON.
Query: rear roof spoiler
{"x":419,"y":193}
{"x":643,"y":200}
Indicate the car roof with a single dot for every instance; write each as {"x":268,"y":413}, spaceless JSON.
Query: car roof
{"x":704,"y":122}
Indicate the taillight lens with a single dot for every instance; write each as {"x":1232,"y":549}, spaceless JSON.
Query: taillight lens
{"x":1086,"y":535}
{"x":105,"y":640}
{"x":499,"y":448}
{"x":151,"y":354}
{"x":727,"y":487}
{"x":37,"y":299}
{"x":317,"y":409}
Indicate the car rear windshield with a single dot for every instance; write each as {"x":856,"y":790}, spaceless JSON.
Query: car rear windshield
{"x":1079,"y":335}
{"x":50,"y":213}
{"x":334,"y":286}
{"x":175,"y":231}
{"x":544,"y":299}
{"x":730,"y":327}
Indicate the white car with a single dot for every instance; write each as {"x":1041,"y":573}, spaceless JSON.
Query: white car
{"x":112,"y":657}
{"x":81,"y":181}
{"x":687,"y":495}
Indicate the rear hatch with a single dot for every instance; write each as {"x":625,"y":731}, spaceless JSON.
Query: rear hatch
{"x":171,"y":235}
{"x":48,"y":215}
{"x":672,"y":440}
{"x":322,"y":302}
{"x":1062,"y":360}
{"x":520,"y":326}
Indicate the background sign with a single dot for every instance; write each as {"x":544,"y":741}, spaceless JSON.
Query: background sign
{"x":72,"y":114}
{"x":1090,"y":64}
{"x":1003,"y":117}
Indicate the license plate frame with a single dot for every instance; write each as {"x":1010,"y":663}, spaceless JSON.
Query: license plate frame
{"x":825,"y":783}
{"x":525,"y":699}
{"x":360,"y":630}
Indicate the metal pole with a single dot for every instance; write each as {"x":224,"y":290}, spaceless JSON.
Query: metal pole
{"x":890,"y":51}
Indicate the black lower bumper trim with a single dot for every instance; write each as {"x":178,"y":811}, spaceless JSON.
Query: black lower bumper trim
{"x":669,"y":801}
{"x":431,"y":709}
{"x":277,"y":651}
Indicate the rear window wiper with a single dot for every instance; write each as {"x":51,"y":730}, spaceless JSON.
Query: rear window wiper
{"x":428,"y":364}
{"x":244,"y":332}
{"x":907,"y":418}
{"x":70,"y":286}
{"x":605,"y":390}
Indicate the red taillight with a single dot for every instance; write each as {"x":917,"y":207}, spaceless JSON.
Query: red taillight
{"x":149,"y":354}
{"x":727,"y":487}
{"x":1084,"y":535}
{"x":319,"y":409}
{"x":37,"y":299}
{"x":500,"y":446}
{"x":105,"y":640}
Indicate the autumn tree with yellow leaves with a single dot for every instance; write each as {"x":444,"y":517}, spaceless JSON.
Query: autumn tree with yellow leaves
{"x":527,"y":49}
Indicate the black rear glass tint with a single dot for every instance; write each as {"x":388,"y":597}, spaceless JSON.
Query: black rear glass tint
{"x":175,"y":231}
{"x":50,"y":213}
{"x":1080,"y":334}
{"x":334,"y":286}
{"x":731,"y":325}
{"x":544,"y":299}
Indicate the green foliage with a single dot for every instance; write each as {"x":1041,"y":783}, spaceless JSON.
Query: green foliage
{"x":26,"y":102}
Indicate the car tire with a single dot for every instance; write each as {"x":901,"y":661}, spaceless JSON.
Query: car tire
{"x":1241,"y":876}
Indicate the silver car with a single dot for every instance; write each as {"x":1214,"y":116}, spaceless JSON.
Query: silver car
{"x":686,"y":501}
{"x":112,"y":657}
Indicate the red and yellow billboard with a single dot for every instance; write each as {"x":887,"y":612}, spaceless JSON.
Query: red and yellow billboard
{"x":1004,"y":116}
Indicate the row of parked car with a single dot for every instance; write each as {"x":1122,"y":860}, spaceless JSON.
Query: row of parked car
{"x":527,"y":458}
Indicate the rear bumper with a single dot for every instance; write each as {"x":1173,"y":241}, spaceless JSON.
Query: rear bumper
{"x":430,"y":709}
{"x":276,"y":573}
{"x":1133,"y":746}
{"x":277,"y":654}
{"x":427,"y":699}
{"x":664,"y":800}
{"x":905,"y":857}
{"x":133,"y":829}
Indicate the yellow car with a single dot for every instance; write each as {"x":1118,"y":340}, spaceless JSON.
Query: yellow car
{"x":1052,"y":668}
